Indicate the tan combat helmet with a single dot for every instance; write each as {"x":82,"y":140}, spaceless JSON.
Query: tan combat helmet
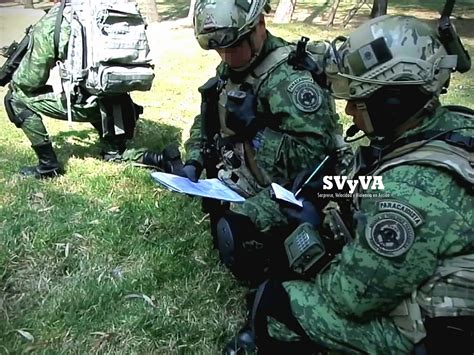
{"x":390,"y":50}
{"x":222,"y":23}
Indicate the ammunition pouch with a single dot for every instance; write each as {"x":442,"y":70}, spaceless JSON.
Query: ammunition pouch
{"x":14,"y":54}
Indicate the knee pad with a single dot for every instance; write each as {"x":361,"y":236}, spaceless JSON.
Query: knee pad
{"x":241,"y":247}
{"x":17,"y":120}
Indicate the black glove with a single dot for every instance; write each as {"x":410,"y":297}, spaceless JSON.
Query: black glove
{"x":309,"y":190}
{"x":191,"y":170}
{"x":242,"y":112}
{"x":306,"y":214}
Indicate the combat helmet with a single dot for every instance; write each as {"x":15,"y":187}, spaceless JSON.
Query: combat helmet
{"x":222,"y":23}
{"x":398,"y":55}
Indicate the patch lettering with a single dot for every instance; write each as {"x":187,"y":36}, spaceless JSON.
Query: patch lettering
{"x":305,"y":94}
{"x":389,"y":234}
{"x":406,"y":210}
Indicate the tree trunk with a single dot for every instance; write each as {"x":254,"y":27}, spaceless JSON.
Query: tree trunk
{"x":284,"y":11}
{"x":189,"y":19}
{"x":379,"y":8}
{"x":28,"y":4}
{"x":149,"y":10}
{"x":333,"y":12}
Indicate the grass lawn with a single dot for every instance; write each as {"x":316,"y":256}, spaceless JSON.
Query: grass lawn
{"x":101,"y":260}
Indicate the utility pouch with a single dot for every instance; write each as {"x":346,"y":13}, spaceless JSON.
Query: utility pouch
{"x":304,"y":248}
{"x":119,"y":116}
{"x":14,"y":54}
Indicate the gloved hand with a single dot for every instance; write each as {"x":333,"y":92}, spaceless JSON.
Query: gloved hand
{"x":241,"y":109}
{"x":191,"y":170}
{"x":308,"y":190}
{"x":306,"y":214}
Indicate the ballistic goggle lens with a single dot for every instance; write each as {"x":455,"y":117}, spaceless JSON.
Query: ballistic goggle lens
{"x":221,"y":38}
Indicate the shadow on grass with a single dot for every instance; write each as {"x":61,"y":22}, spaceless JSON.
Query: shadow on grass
{"x":317,"y":11}
{"x":172,"y":10}
{"x":85,"y":143}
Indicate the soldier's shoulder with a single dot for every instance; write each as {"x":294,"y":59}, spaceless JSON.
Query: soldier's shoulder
{"x":410,"y":181}
{"x":284,"y":74}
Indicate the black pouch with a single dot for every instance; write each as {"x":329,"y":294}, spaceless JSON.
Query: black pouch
{"x":119,"y":116}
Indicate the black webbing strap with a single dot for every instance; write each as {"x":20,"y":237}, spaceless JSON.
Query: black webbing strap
{"x":450,"y":137}
{"x":57,"y":29}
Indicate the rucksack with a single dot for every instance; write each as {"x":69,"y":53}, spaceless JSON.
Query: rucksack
{"x":108,"y":48}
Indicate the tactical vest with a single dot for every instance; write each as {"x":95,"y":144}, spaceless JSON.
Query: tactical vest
{"x":239,"y":169}
{"x":450,"y":290}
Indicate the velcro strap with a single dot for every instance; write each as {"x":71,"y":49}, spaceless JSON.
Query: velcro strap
{"x":448,"y":62}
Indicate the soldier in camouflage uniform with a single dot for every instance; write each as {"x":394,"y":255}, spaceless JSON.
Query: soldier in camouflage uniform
{"x":407,"y":279}
{"x":261,"y":121}
{"x":29,"y":96}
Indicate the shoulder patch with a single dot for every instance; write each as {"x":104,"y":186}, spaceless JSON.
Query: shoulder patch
{"x":305,"y":94}
{"x":389,"y":234}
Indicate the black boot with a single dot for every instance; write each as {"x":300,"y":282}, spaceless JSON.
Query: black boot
{"x":169,"y":160}
{"x":113,"y":148}
{"x":242,"y":343}
{"x":48,"y":166}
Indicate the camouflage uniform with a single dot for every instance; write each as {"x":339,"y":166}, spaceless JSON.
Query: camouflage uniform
{"x":411,"y":260}
{"x":29,"y":89}
{"x":348,"y":306}
{"x":299,"y":134}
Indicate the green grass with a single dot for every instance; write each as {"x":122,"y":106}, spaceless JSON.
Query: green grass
{"x":101,"y":260}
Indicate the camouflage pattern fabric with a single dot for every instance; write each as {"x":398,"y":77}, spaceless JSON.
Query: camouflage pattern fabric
{"x":347,"y":306}
{"x":29,"y":87}
{"x":300,"y":133}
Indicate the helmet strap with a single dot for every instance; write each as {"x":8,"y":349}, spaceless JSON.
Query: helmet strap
{"x":369,"y":127}
{"x":253,"y":51}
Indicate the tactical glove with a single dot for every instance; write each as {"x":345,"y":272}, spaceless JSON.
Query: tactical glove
{"x":306,"y":214}
{"x":242,"y":112}
{"x":192,"y":170}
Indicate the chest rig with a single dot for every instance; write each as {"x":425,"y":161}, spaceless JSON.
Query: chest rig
{"x":239,"y":168}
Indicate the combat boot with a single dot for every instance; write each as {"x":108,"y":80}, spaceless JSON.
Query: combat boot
{"x":242,"y":343}
{"x":169,"y":160}
{"x":48,"y":166}
{"x":112,"y":149}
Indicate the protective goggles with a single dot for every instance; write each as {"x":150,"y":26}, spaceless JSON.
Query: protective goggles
{"x":221,"y":38}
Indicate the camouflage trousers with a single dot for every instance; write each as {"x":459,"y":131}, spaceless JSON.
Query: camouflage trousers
{"x":327,"y":328}
{"x":54,"y":106}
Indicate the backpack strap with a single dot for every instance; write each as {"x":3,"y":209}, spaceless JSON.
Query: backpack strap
{"x":462,"y":110}
{"x":435,"y":153}
{"x":57,"y":29}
